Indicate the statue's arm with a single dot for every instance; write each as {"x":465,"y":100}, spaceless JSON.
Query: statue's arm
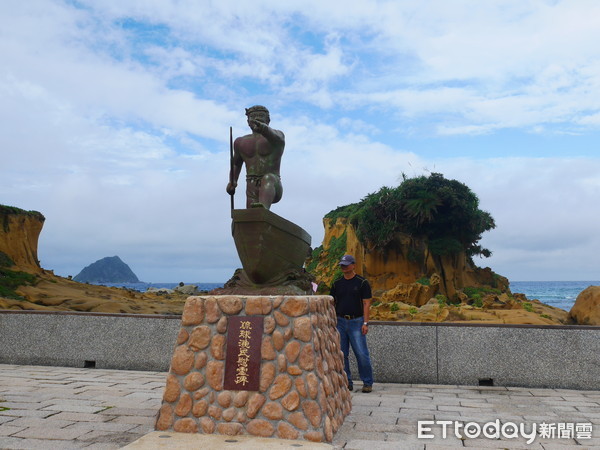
{"x":235,"y":170}
{"x":275,"y":137}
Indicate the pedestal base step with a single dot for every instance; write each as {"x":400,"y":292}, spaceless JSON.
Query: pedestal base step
{"x":184,"y":441}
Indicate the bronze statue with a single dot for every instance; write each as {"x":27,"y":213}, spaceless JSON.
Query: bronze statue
{"x":272,"y":250}
{"x":261,"y":151}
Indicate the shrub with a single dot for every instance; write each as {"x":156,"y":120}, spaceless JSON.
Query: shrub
{"x":6,"y":210}
{"x":446,"y":212}
{"x":10,"y":280}
{"x":471,"y":291}
{"x":424,"y":281}
{"x":314,"y":259}
{"x":337,"y":248}
{"x":5,"y":260}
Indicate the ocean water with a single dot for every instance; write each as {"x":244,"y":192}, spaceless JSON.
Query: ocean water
{"x":143,"y":286}
{"x":560,"y":294}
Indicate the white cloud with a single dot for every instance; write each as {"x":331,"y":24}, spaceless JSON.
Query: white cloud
{"x":114,"y":119}
{"x":546,"y":224}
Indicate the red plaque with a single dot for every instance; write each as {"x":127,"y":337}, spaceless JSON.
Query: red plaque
{"x":242,"y":360}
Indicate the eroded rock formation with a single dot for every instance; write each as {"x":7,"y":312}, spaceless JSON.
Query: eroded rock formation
{"x":411,"y":284}
{"x":400,"y":264}
{"x":19,"y":234}
{"x":25,"y":285}
{"x":586,"y":310}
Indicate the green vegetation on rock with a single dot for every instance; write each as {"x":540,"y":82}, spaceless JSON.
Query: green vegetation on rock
{"x":6,"y":211}
{"x":5,"y":260}
{"x":314,"y":259}
{"x":441,"y":299}
{"x":445,"y":212}
{"x":472,"y":292}
{"x":475,"y":295}
{"x":337,"y":249}
{"x":11,"y":280}
{"x":424,"y":281}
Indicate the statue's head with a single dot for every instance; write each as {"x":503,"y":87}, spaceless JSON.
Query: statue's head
{"x":259,"y":113}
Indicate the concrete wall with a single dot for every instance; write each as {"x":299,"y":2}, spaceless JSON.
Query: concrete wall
{"x":428,"y":353}
{"x":504,"y":355}
{"x":106,"y":341}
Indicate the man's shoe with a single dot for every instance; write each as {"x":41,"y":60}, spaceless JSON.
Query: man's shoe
{"x":350,"y":388}
{"x":367,"y":389}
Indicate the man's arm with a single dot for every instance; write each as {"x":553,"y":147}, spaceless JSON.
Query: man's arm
{"x":365,"y":289}
{"x":366,"y":306}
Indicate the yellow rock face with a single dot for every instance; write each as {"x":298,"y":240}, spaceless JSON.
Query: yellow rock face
{"x":403,"y":261}
{"x":410,"y":284}
{"x":586,"y":310}
{"x":53,"y":293}
{"x":19,"y":235}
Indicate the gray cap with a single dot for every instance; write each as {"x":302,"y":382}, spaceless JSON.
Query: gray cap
{"x":347,"y":260}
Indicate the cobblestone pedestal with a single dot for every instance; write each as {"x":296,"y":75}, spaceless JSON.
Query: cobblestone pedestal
{"x":303,"y":391}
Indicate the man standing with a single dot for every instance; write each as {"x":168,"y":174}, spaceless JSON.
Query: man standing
{"x":261,"y":151}
{"x":352,"y":297}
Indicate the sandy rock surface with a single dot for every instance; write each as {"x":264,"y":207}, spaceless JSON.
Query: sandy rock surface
{"x":53,"y":293}
{"x":586,"y":310}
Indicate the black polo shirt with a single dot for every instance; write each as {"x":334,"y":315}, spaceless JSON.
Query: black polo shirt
{"x":349,"y":295}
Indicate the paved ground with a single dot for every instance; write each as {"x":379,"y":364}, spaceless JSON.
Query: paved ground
{"x":64,"y":408}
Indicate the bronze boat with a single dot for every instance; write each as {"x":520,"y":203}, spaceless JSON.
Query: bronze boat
{"x":268,"y":245}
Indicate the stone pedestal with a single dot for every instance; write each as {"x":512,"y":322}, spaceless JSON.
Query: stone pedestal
{"x":302,"y":391}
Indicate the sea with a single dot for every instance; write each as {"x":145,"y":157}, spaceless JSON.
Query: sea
{"x":143,"y":286}
{"x":560,"y":294}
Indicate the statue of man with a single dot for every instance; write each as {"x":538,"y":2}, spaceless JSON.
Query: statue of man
{"x":261,"y":151}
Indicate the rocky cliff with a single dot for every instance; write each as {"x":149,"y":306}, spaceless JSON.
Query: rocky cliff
{"x":404,"y":261}
{"x":24,"y":285}
{"x":411,"y":284}
{"x":19,"y":234}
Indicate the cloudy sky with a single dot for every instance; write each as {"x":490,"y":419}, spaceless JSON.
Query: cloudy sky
{"x":115,"y":116}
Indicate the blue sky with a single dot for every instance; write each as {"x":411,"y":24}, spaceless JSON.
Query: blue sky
{"x":115,"y":116}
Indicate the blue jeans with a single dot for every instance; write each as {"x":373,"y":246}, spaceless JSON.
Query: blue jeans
{"x":351,"y":335}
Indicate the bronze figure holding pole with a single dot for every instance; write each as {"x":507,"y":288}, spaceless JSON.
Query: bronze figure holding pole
{"x":261,"y":152}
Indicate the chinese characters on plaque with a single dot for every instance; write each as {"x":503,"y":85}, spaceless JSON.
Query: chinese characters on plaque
{"x":242,"y":360}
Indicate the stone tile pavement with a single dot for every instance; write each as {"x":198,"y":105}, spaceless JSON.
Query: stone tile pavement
{"x":72,"y":408}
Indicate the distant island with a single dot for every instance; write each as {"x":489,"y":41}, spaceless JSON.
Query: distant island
{"x":107,"y":270}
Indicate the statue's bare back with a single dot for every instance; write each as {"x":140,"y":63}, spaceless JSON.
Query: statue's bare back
{"x":261,"y":152}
